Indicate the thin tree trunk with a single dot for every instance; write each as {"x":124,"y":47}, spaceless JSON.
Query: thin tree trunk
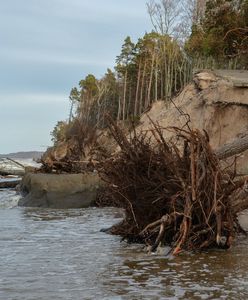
{"x":175,"y":76}
{"x":148,"y":101}
{"x":166,"y":76}
{"x":156,"y":80}
{"x":162,"y":84}
{"x":71,"y":111}
{"x":129,"y":109}
{"x":142,"y":88}
{"x":124,"y":96}
{"x":119,"y":107}
{"x":137,"y":91}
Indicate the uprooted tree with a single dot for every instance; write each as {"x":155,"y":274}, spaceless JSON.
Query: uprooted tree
{"x":174,"y":192}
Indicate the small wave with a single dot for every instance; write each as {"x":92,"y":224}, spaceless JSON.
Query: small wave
{"x":8,"y":198}
{"x":28,"y":162}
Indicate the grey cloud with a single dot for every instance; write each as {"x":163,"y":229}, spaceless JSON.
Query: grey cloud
{"x":46,"y":47}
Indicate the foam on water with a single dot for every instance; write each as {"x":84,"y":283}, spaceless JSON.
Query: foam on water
{"x":28,"y":162}
{"x":8,"y":198}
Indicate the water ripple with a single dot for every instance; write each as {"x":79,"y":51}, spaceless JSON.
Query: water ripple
{"x":62,"y":254}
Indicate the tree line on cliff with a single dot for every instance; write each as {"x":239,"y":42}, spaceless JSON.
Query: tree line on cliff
{"x":175,"y":192}
{"x":187,"y":35}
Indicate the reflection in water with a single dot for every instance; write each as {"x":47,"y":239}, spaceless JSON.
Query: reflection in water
{"x":62,"y":254}
{"x":212,"y":275}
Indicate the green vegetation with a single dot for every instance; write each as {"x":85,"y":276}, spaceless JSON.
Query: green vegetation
{"x":222,"y":33}
{"x":160,"y":64}
{"x":59,"y":131}
{"x":154,"y":68}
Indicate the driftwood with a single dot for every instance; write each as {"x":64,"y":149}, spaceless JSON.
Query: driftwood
{"x":236,"y":147}
{"x":180,"y":197}
{"x":9,"y":183}
{"x":16,"y":162}
{"x":9,"y":166}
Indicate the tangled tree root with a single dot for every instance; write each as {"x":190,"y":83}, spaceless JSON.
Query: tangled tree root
{"x":174,"y":193}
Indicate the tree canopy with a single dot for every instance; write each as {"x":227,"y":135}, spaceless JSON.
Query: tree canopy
{"x":222,"y":32}
{"x":160,"y":63}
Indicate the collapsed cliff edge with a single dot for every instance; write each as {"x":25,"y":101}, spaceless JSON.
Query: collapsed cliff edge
{"x":215,"y":101}
{"x":180,"y":174}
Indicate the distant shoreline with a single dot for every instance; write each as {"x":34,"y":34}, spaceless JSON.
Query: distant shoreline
{"x":23,"y":155}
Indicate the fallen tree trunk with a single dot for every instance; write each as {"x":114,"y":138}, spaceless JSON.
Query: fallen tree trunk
{"x":238,"y":146}
{"x":11,"y":167}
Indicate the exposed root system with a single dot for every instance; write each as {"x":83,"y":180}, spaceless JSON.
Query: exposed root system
{"x":174,"y":192}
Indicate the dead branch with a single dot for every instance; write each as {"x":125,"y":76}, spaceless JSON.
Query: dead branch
{"x":180,"y":197}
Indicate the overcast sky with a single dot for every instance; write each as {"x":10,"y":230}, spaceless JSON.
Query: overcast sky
{"x":46,"y":47}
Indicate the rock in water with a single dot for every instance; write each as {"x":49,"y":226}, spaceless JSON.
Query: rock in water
{"x":59,"y":191}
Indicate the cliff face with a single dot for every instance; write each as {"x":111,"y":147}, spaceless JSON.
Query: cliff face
{"x":216,"y":102}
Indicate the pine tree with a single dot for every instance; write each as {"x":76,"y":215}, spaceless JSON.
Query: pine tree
{"x":124,"y":61}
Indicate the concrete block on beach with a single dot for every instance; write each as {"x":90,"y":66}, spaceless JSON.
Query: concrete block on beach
{"x":59,"y":190}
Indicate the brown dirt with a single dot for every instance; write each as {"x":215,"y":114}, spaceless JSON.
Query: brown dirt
{"x":214,"y":103}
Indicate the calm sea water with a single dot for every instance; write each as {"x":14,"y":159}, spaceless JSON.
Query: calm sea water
{"x":61,"y":254}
